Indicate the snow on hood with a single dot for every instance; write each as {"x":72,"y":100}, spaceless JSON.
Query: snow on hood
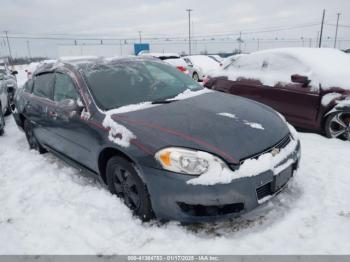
{"x":324,"y":66}
{"x":221,"y":174}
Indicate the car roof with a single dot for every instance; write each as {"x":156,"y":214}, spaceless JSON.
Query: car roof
{"x":78,"y":63}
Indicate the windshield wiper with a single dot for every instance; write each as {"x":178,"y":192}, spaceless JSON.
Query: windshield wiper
{"x":163,"y":101}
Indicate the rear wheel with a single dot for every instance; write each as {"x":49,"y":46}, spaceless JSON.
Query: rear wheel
{"x":32,"y":141}
{"x":338,"y":126}
{"x":195,"y":77}
{"x":2,"y":122}
{"x":123,"y":181}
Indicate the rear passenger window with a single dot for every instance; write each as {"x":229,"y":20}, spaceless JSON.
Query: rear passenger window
{"x":28,"y":87}
{"x":43,"y":85}
{"x":64,"y":88}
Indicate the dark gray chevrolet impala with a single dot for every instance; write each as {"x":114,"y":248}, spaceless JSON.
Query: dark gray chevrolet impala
{"x":169,"y":148}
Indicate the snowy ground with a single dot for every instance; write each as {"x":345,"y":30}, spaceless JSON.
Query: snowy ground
{"x":47,"y":207}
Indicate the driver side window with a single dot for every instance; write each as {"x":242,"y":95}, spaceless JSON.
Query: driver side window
{"x":64,"y":88}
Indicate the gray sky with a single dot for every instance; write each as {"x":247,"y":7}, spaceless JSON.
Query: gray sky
{"x":221,"y":20}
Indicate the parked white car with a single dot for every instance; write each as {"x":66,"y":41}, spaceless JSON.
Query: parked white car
{"x":229,"y":60}
{"x":202,"y":64}
{"x":176,"y":61}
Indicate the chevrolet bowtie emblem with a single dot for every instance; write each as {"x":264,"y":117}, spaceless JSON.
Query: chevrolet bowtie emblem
{"x":275,"y":151}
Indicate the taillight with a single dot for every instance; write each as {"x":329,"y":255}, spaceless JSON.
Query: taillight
{"x":181,"y":68}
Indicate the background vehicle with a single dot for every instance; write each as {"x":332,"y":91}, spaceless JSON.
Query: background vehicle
{"x":176,"y":61}
{"x":9,"y":78}
{"x":141,"y":126}
{"x":202,"y":64}
{"x":4,"y":105}
{"x":309,"y":86}
{"x":229,"y":60}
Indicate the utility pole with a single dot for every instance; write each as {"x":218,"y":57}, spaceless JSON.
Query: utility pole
{"x":240,"y":42}
{"x":321,"y":32}
{"x":189,"y":31}
{"x":8,"y":45}
{"x":28,"y":48}
{"x":121,"y":47}
{"x":258,"y":44}
{"x":140,"y":36}
{"x":317,"y":38}
{"x":336,"y":31}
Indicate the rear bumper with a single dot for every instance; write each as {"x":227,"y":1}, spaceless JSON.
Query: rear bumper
{"x":173,"y":199}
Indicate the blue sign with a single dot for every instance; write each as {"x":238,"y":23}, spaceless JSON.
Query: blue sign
{"x":140,"y":47}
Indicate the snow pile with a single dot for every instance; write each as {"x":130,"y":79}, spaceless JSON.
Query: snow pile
{"x":324,"y":66}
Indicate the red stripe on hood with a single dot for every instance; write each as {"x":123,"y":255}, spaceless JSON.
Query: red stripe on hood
{"x":179,"y":134}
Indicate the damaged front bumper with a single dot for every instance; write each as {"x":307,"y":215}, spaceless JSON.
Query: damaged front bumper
{"x":174,"y":199}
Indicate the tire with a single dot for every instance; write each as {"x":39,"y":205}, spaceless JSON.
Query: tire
{"x":31,"y":139}
{"x":2,"y":122}
{"x":337,"y":125}
{"x":8,"y":111}
{"x":195,"y":77}
{"x":124,"y":181}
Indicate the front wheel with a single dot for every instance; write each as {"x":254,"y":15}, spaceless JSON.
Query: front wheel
{"x":32,"y":141}
{"x":123,"y":181}
{"x":195,"y":77}
{"x":338,"y":126}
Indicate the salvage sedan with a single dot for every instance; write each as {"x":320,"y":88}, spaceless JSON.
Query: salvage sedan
{"x":309,"y":86}
{"x":169,"y":148}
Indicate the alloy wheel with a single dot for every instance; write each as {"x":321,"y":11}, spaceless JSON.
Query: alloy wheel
{"x":125,"y":187}
{"x":339,"y":126}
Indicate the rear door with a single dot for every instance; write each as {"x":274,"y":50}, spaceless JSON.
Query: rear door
{"x":36,"y":107}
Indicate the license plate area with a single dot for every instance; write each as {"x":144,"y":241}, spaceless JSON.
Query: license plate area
{"x":282,"y":178}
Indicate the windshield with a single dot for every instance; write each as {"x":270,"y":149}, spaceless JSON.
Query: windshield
{"x":122,"y":83}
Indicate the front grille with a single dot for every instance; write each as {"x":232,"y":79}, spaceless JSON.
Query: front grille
{"x":264,"y":191}
{"x":281,"y":144}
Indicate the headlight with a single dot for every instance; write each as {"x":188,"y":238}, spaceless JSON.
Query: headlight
{"x":186,"y":161}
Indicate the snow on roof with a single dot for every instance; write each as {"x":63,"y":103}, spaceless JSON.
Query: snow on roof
{"x":204,"y":62}
{"x":176,"y":62}
{"x":324,"y":66}
{"x":161,"y":54}
{"x":76,"y":58}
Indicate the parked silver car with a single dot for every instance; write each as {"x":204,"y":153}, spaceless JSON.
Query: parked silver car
{"x":9,"y":83}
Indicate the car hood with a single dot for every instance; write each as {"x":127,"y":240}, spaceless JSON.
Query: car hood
{"x":231,"y":127}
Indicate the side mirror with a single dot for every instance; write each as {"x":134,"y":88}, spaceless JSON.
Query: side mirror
{"x":300,"y":80}
{"x":72,"y":106}
{"x":14,"y":73}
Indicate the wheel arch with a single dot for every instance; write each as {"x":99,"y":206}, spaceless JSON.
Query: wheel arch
{"x":106,"y":154}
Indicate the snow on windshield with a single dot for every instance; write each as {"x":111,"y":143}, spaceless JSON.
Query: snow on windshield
{"x":326,"y":67}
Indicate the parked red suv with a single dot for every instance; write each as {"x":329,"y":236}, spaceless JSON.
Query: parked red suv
{"x":309,"y":86}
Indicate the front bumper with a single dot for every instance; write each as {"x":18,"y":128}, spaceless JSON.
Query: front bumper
{"x":173,"y":199}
